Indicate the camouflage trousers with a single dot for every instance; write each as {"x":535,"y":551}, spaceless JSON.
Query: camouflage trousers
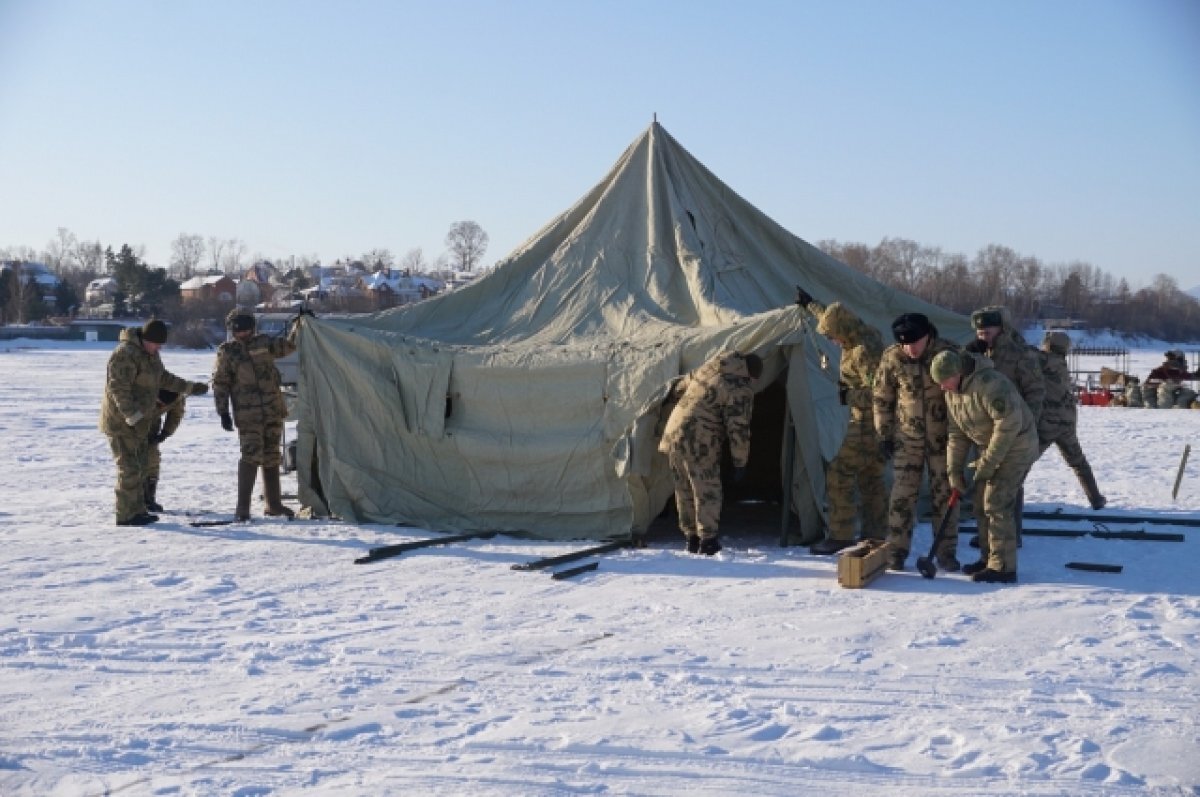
{"x":260,"y":445}
{"x":909,"y":463}
{"x":697,"y":494}
{"x":153,"y":461}
{"x":995,"y":513}
{"x":129,"y":450}
{"x":857,"y":466}
{"x":1068,"y":445}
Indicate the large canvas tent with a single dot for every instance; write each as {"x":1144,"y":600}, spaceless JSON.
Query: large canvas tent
{"x":527,"y":401}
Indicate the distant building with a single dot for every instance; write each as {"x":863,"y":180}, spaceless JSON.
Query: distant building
{"x":38,"y":274}
{"x":268,"y":280}
{"x":100,"y":291}
{"x":459,"y":279}
{"x":219,"y":287}
{"x":390,"y":287}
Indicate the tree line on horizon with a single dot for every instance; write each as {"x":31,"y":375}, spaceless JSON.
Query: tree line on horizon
{"x":146,"y":289}
{"x":1076,"y":292}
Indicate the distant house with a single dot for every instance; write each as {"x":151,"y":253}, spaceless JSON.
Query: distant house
{"x":100,"y":291}
{"x":390,"y":287}
{"x":268,"y":280}
{"x":220,"y":287}
{"x":459,"y":279}
{"x":37,"y":273}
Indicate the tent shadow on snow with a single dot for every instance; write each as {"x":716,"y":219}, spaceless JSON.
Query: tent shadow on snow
{"x":527,"y":402}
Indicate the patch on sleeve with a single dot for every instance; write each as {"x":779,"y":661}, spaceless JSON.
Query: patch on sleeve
{"x":999,"y":406}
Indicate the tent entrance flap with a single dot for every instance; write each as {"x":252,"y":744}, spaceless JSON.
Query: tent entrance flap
{"x":764,"y":478}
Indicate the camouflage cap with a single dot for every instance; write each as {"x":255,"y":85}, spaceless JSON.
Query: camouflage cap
{"x":946,"y":364}
{"x":1057,"y":342}
{"x":838,"y":322}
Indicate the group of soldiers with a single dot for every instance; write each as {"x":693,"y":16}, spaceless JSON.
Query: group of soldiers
{"x":144,"y":404}
{"x":1166,"y":386}
{"x":924,"y":404}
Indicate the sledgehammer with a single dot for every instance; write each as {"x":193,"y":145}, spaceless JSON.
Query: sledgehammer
{"x":926,"y":564}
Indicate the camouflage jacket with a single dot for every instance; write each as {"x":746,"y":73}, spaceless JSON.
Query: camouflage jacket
{"x":1020,"y":362}
{"x":717,"y":401}
{"x":131,"y":388}
{"x":909,"y":406}
{"x":245,"y":375}
{"x":861,"y":351}
{"x":987,"y":410}
{"x":1058,"y":409}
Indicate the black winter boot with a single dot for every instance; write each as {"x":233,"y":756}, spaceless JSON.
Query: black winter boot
{"x":151,"y":489}
{"x":829,"y":546}
{"x":896,"y":557}
{"x":975,"y":567}
{"x":247,"y":473}
{"x":990,"y":576}
{"x":140,"y":519}
{"x":1088,"y":480}
{"x":709,"y":546}
{"x":693,"y":543}
{"x":275,"y":507}
{"x":946,"y":560}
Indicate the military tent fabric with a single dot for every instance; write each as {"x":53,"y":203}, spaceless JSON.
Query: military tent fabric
{"x":526,"y":401}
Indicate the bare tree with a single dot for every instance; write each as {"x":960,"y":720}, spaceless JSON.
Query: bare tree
{"x":60,"y":251}
{"x":234,"y":252}
{"x":90,"y":257}
{"x":186,"y":253}
{"x":902,"y":260}
{"x":216,"y":252}
{"x":378,"y":258}
{"x":414,"y":261}
{"x":467,"y":242}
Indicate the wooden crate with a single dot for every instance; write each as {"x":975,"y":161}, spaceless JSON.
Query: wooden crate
{"x":862,"y":564}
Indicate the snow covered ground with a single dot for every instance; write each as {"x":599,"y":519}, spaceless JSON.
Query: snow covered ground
{"x":259,"y":660}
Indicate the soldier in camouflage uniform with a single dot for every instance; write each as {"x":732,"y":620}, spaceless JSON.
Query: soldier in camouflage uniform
{"x":986,"y":410}
{"x":910,"y":421}
{"x":168,"y":414}
{"x":715,"y":407}
{"x":1056,"y":426}
{"x":858,"y":463}
{"x":246,"y":377}
{"x":998,"y":338}
{"x":135,"y":375}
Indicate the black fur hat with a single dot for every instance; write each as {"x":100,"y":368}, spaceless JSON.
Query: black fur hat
{"x":911,"y":327}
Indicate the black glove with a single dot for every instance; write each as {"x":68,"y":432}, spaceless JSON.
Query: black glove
{"x":843,"y":389}
{"x":155,"y":431}
{"x":161,"y":437}
{"x":977,"y":346}
{"x":887,"y":449}
{"x":803,"y":297}
{"x":739,"y":474}
{"x":227,"y":421}
{"x":198,"y":389}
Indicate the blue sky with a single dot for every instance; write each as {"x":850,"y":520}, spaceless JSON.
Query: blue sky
{"x":1068,"y":130}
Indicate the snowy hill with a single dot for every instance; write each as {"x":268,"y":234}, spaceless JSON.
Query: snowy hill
{"x":1194,"y":292}
{"x":258,"y":659}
